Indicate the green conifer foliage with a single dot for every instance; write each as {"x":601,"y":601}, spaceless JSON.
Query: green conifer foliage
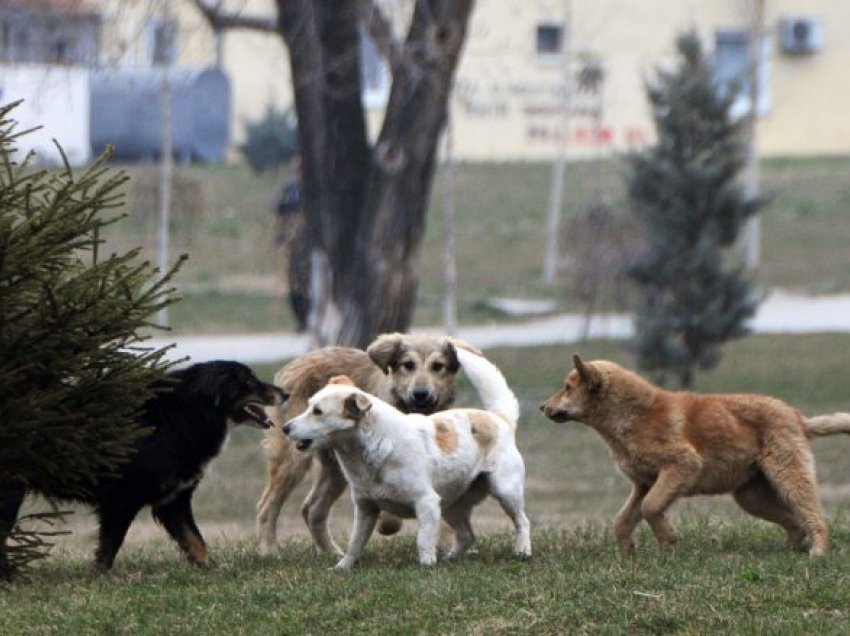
{"x":74,"y":370}
{"x":688,"y":198}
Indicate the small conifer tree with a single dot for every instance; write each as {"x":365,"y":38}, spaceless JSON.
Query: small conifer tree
{"x":74,"y":371}
{"x":687,"y":196}
{"x":270,"y":141}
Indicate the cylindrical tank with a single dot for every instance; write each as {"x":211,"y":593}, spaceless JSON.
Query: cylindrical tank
{"x":126,"y":112}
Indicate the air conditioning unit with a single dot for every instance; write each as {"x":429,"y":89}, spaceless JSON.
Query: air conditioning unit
{"x":800,"y":35}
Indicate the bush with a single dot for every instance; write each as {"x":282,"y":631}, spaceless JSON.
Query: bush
{"x":272,"y":141}
{"x":74,"y":372}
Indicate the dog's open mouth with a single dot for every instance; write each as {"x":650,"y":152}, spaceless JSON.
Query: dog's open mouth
{"x":257,"y":413}
{"x":303,"y":444}
{"x":559,"y":417}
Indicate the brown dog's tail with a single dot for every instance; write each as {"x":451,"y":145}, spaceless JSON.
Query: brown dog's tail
{"x":832,"y":424}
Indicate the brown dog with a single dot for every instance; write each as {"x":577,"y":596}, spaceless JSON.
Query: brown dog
{"x":674,"y":444}
{"x":414,"y":373}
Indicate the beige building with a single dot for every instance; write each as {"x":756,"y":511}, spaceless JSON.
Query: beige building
{"x":512,"y":93}
{"x":516,"y":96}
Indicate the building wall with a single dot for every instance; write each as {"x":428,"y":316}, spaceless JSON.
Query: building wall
{"x":509,"y":103}
{"x":56,"y":102}
{"x":810,"y":93}
{"x":506,"y":100}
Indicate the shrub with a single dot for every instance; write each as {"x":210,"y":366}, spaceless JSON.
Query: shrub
{"x":272,"y":141}
{"x":74,"y":371}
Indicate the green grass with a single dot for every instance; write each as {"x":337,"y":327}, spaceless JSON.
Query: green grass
{"x":729,"y":573}
{"x":722,"y":578}
{"x":222,"y":218}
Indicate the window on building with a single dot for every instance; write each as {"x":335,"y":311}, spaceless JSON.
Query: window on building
{"x":374,"y":73}
{"x":731,"y":70}
{"x":61,"y":51}
{"x":35,"y":37}
{"x":550,"y":39}
{"x":163,"y":42}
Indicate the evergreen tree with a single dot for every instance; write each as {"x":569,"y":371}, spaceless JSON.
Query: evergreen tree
{"x":687,"y":196}
{"x":74,"y":371}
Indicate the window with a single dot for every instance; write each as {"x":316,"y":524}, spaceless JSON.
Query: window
{"x":550,"y":40}
{"x":374,"y":73}
{"x":731,"y":70}
{"x":36,"y":37}
{"x":163,"y":42}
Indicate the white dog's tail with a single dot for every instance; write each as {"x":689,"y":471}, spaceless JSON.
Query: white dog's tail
{"x":491,"y":385}
{"x":828,"y":424}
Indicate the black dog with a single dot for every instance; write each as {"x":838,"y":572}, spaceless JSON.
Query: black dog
{"x":188,"y":427}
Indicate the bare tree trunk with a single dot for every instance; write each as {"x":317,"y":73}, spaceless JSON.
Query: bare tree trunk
{"x":323,"y":42}
{"x":367,"y":207}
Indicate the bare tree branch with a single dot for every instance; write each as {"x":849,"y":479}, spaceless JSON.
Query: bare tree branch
{"x":381,"y":32}
{"x":220,"y":20}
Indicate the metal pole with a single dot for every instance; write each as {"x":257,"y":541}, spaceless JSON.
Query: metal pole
{"x":449,"y":263}
{"x":556,"y":194}
{"x":752,"y":232}
{"x":166,"y":166}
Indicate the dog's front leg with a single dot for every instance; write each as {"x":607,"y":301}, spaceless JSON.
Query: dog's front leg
{"x":673,"y":482}
{"x":365,"y":518}
{"x":628,"y":518}
{"x":428,"y":516}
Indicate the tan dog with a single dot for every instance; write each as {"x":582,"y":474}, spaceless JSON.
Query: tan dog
{"x":674,"y":444}
{"x":414,"y":373}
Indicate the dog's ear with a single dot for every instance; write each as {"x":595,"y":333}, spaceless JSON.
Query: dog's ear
{"x":385,"y":350}
{"x":463,"y":344}
{"x":450,"y":352}
{"x":588,"y":374}
{"x":356,"y":405}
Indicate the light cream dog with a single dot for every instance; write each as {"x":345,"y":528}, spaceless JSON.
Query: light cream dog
{"x":415,"y":373}
{"x":423,"y":466}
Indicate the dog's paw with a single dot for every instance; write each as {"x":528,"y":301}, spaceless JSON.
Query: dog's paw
{"x":344,"y":565}
{"x":627,"y":548}
{"x":427,"y":559}
{"x":524,"y":554}
{"x":266,"y":549}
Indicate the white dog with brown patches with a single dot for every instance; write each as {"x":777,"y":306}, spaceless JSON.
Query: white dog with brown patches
{"x":422,"y":466}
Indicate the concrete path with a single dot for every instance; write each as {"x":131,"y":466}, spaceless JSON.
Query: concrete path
{"x":781,"y":312}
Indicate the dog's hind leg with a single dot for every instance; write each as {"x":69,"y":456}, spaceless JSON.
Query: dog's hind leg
{"x":507,"y":486}
{"x":457,"y":516}
{"x":628,"y":519}
{"x":286,"y":468}
{"x":115,"y":520}
{"x":791,"y":471}
{"x":11,"y":498}
{"x":759,"y":498}
{"x":329,"y":485}
{"x":177,"y":519}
